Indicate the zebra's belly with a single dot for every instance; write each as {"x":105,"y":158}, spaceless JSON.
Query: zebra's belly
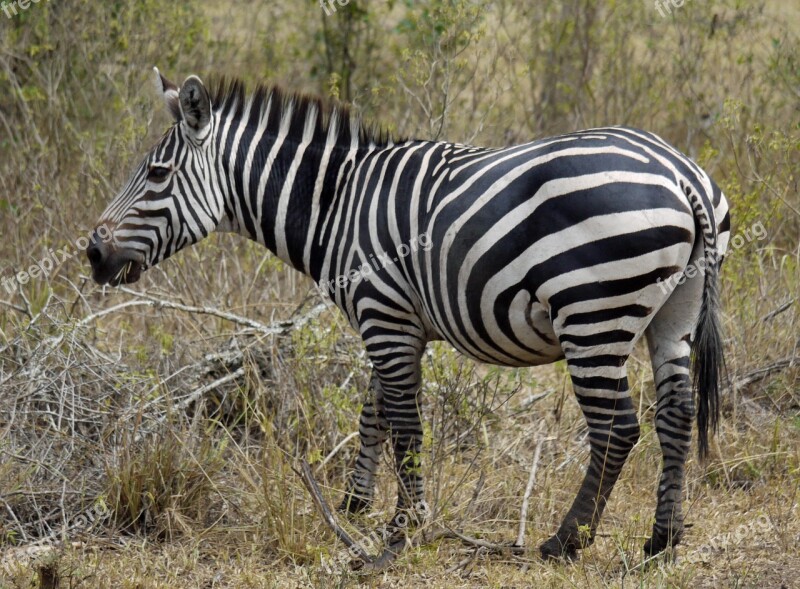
{"x":517,"y":334}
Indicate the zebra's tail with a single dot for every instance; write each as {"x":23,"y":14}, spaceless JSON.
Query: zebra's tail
{"x":708,"y":361}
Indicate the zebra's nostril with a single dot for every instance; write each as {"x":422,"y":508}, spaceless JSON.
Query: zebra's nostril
{"x":94,"y":253}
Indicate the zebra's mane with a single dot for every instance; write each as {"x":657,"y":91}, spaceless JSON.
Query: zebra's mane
{"x":230,"y":96}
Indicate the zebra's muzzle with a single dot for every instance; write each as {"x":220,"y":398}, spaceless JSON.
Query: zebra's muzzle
{"x":128,"y":274}
{"x":112,"y":265}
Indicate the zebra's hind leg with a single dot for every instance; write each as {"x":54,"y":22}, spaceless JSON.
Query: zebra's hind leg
{"x":669,"y":341}
{"x":373,"y":432}
{"x":601,"y":385}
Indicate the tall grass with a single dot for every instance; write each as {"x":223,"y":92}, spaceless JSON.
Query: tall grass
{"x":187,"y":424}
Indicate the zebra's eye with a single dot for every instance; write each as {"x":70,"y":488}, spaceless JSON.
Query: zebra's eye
{"x":158,"y":173}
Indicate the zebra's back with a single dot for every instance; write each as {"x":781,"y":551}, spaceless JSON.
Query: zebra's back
{"x":540,"y":236}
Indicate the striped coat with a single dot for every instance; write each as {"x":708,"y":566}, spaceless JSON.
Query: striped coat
{"x":568,"y":247}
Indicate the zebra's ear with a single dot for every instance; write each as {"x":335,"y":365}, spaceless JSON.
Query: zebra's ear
{"x":195,"y":104}
{"x":169,"y":93}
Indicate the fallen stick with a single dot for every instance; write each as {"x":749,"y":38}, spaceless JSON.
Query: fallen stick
{"x":778,"y":311}
{"x":400,"y":542}
{"x":275,"y":328}
{"x":523,"y":516}
{"x":382,"y":561}
{"x":761,"y":373}
{"x":478,"y":543}
{"x":16,"y":308}
{"x":307,"y":477}
{"x":338,"y":447}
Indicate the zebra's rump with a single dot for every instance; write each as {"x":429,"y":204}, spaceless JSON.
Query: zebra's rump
{"x":570,"y":236}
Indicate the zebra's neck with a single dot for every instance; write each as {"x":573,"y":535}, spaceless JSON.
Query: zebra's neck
{"x":285,"y":162}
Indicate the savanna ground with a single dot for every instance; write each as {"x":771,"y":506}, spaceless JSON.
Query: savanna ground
{"x":148,"y":435}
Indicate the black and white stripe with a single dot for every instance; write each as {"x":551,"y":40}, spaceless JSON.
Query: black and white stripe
{"x":560,"y":248}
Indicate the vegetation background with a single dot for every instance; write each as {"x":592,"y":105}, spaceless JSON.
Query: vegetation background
{"x":147,"y":435}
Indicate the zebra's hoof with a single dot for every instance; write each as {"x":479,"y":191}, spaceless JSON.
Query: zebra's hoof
{"x":557,"y":550}
{"x":404,"y":522}
{"x":407,"y":519}
{"x":353,"y":504}
{"x":661,"y":541}
{"x":653,"y":546}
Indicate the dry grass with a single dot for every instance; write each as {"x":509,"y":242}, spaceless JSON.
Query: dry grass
{"x":148,"y":436}
{"x":201,"y":490}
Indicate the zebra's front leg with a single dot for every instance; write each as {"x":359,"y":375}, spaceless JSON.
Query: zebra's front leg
{"x":400,"y":383}
{"x":601,"y":385}
{"x":373,"y":432}
{"x":405,"y":427}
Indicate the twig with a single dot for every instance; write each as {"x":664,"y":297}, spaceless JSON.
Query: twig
{"x":523,"y":516}
{"x":634,"y":536}
{"x":384,"y":559}
{"x":38,"y":463}
{"x":775,"y":192}
{"x":276,"y":328}
{"x":14,"y":517}
{"x":760,"y":373}
{"x":667,"y":556}
{"x":11,"y":305}
{"x":28,"y":310}
{"x":51,"y":343}
{"x":308,"y":480}
{"x":192,"y":397}
{"x":102,"y":313}
{"x":462,"y":564}
{"x":477,"y":542}
{"x":338,"y":447}
{"x":476,"y":493}
{"x":778,"y":311}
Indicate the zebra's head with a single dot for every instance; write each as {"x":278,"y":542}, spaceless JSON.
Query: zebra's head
{"x":172,"y":199}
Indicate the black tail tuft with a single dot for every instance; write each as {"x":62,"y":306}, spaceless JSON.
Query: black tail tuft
{"x":708,"y":361}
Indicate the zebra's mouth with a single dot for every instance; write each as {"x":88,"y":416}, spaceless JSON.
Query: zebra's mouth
{"x":130,"y":272}
{"x":113,"y":266}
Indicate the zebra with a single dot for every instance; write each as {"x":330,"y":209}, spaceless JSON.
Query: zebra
{"x":569,"y":247}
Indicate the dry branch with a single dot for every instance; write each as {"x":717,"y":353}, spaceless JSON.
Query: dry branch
{"x":523,"y":516}
{"x":761,"y":373}
{"x":191,"y":398}
{"x":82,"y":398}
{"x":275,"y":328}
{"x":13,"y":306}
{"x":336,"y":449}
{"x":308,"y":480}
{"x":772,"y":314}
{"x":490,"y":546}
